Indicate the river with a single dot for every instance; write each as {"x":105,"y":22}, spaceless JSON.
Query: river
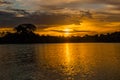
{"x":61,"y":61}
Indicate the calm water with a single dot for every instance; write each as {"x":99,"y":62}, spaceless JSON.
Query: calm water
{"x":67,"y":61}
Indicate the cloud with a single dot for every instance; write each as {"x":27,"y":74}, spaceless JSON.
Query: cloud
{"x":18,"y":16}
{"x":18,"y":12}
{"x":57,"y":4}
{"x":58,"y":12}
{"x":74,"y":31}
{"x":2,"y":2}
{"x":78,"y":7}
{"x":10,"y":19}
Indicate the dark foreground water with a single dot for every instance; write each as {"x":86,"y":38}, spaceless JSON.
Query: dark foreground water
{"x":67,"y":61}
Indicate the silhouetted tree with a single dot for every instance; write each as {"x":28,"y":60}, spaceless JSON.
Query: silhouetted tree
{"x":25,"y":28}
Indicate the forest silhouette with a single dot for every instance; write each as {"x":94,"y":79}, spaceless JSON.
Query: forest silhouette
{"x":25,"y":34}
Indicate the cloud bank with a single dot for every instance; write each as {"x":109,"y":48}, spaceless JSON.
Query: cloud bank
{"x":46,"y":13}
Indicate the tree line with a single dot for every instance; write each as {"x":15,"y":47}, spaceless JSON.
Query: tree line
{"x":25,"y":34}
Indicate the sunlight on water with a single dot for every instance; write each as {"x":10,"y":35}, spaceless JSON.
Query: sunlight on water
{"x":68,"y":54}
{"x":78,"y":61}
{"x":68,"y":61}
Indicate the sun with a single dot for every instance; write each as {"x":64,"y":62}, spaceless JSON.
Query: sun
{"x":67,"y":32}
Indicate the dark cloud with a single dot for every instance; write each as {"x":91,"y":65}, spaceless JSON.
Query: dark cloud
{"x":75,"y":31}
{"x":114,"y":7}
{"x":4,"y":2}
{"x":91,"y":4}
{"x":111,"y":17}
{"x":21,"y":11}
{"x":87,"y":14}
{"x":3,"y":14}
{"x":113,"y":2}
{"x":10,"y":18}
{"x":51,"y":7}
{"x":99,"y":1}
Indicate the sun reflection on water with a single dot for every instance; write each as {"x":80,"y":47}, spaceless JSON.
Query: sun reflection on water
{"x":68,"y":56}
{"x":68,"y":60}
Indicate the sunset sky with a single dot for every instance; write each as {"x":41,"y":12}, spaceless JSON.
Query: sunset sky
{"x":62,"y":17}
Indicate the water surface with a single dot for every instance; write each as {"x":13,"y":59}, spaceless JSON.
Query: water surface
{"x":65,"y":61}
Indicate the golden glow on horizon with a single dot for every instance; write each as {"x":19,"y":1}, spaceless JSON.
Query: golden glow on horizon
{"x":67,"y":32}
{"x":89,"y":27}
{"x":6,"y":29}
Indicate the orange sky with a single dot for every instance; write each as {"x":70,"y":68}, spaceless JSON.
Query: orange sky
{"x":62,"y":17}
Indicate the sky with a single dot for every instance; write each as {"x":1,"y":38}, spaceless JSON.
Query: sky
{"x":62,"y":17}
